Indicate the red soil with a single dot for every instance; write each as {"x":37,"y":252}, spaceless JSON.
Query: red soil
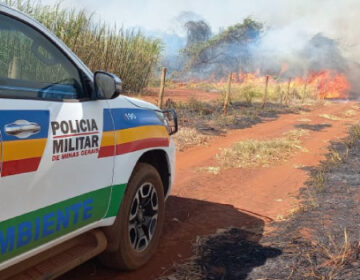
{"x":202,"y":203}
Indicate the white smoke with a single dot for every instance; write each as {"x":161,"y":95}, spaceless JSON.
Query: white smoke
{"x":296,"y":20}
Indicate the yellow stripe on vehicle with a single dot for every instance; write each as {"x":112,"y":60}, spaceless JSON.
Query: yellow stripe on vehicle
{"x":140,"y":133}
{"x":108,"y":139}
{"x":22,"y":149}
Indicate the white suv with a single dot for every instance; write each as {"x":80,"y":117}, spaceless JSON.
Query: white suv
{"x":84,"y":171}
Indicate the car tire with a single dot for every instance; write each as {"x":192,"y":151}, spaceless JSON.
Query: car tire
{"x":139,"y":222}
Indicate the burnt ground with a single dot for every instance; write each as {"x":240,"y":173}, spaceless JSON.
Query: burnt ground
{"x":208,"y":117}
{"x":246,"y":199}
{"x":320,"y":241}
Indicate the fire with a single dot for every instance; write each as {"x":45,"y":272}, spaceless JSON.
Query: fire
{"x":326,"y":84}
{"x":330,"y":85}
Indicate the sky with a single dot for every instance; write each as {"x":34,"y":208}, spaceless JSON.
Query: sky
{"x":334,"y":18}
{"x":161,"y":14}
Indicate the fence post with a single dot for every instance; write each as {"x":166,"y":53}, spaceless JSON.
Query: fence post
{"x":288,"y":93}
{"x":265,"y":91}
{"x":227,"y":94}
{"x":162,"y":88}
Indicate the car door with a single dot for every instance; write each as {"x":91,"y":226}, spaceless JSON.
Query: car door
{"x":52,"y":181}
{"x":0,"y":152}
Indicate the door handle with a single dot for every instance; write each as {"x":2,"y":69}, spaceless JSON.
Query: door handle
{"x":22,"y":129}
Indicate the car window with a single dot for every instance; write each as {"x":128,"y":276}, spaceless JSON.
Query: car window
{"x":32,"y":67}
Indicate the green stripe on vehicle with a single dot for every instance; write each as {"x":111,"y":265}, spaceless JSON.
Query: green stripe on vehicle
{"x":117,"y":195}
{"x":28,"y":231}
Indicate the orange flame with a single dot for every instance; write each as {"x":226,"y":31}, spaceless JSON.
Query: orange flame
{"x":324,"y":84}
{"x":330,"y":84}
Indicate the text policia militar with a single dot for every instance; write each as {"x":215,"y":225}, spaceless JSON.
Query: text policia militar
{"x":74,"y":138}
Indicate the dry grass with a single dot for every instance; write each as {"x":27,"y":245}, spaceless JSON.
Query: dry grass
{"x":354,"y":135}
{"x":304,"y":120}
{"x":187,"y":137}
{"x":211,"y":169}
{"x":318,"y":180}
{"x":195,"y":107}
{"x":296,"y":133}
{"x":253,"y":153}
{"x":334,"y":255}
{"x":330,"y":117}
{"x":350,"y":113}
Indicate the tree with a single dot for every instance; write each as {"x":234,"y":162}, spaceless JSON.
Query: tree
{"x":228,"y":51}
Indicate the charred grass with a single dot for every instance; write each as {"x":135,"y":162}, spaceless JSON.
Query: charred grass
{"x":319,"y":241}
{"x":200,"y":120}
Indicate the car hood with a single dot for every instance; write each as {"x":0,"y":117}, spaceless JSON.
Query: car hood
{"x":140,"y":103}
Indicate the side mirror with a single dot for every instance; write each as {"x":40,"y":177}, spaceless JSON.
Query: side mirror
{"x":107,"y":85}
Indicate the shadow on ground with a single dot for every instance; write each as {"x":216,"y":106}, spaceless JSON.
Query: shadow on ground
{"x":231,"y":255}
{"x":187,"y":220}
{"x":313,"y":127}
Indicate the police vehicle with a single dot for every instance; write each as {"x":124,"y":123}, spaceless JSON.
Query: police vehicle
{"x":84,"y":171}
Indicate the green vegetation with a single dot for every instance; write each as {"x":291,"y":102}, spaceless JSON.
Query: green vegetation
{"x":126,"y":53}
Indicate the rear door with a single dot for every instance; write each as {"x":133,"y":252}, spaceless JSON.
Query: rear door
{"x":52,"y":182}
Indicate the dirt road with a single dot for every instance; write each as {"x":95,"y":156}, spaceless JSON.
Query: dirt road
{"x":248,"y":198}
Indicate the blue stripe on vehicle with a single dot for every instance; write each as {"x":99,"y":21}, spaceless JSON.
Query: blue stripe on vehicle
{"x":108,"y":122}
{"x":54,"y":89}
{"x":129,"y":118}
{"x":41,"y":117}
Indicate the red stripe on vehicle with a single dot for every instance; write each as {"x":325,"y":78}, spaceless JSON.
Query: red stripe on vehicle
{"x":15,"y":167}
{"x":106,"y":151}
{"x":141,"y":144}
{"x":77,"y":134}
{"x":129,"y":147}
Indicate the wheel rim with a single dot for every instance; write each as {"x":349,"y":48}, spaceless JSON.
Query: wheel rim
{"x":143,"y":217}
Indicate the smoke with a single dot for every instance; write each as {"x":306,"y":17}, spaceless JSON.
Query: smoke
{"x":306,"y":36}
{"x":197,"y":31}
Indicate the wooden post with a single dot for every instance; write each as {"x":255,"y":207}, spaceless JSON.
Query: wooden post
{"x":265,"y":91}
{"x":288,"y":93}
{"x":227,"y":94}
{"x":162,"y":88}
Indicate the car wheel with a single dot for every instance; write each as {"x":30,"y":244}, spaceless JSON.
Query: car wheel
{"x":139,"y":222}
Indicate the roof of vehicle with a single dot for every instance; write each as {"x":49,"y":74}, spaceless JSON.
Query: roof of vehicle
{"x":31,"y":21}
